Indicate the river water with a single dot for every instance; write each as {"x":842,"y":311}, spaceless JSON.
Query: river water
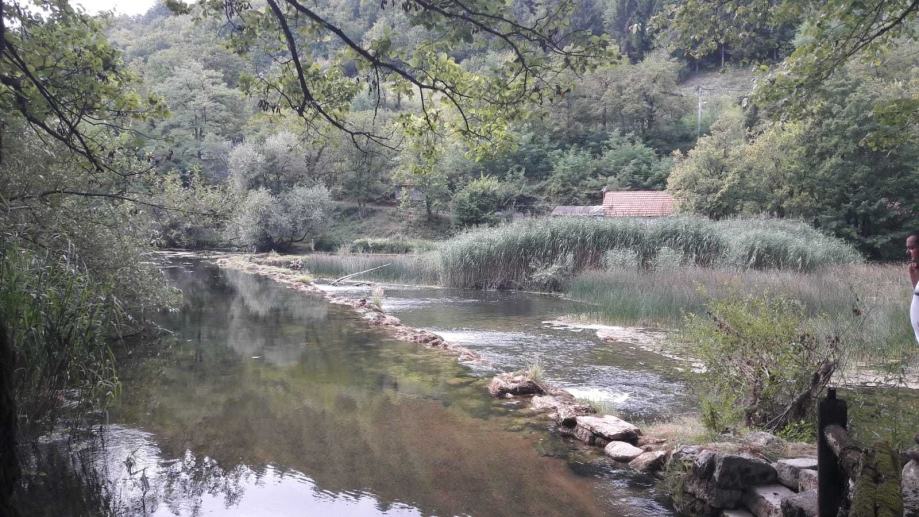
{"x":268,"y":401}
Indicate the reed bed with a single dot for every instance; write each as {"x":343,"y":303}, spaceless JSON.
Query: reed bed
{"x":537,"y":253}
{"x":867,"y":304}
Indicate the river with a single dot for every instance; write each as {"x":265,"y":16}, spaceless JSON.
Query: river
{"x":268,"y":401}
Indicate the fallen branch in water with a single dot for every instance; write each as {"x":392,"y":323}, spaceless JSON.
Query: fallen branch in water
{"x":359,"y":273}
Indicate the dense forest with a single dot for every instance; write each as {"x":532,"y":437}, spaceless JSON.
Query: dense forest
{"x":282,"y":125}
{"x":707,"y":112}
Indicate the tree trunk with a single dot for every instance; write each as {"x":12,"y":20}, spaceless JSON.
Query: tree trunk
{"x":9,"y":464}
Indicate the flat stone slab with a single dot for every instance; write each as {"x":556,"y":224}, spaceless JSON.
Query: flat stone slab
{"x":740,"y":471}
{"x":651,"y":461}
{"x":606,"y":428}
{"x":788,"y":470}
{"x":736,"y":513}
{"x":807,"y":480}
{"x":803,"y":504}
{"x":622,"y":451}
{"x":766,"y":500}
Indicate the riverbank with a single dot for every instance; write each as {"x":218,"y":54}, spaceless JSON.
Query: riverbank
{"x":654,"y":449}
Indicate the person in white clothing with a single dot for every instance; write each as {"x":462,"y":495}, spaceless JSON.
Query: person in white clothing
{"x":912,"y":250}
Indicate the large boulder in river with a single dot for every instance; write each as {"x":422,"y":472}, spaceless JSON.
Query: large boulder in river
{"x":600,"y":430}
{"x":514,"y":383}
{"x":742,"y":470}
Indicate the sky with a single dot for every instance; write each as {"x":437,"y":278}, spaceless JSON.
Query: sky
{"x":130,"y":7}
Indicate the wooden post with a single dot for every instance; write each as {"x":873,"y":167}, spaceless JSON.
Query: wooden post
{"x":831,"y":479}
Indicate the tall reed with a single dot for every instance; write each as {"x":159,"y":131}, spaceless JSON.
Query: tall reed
{"x":511,"y":256}
{"x":866,"y":303}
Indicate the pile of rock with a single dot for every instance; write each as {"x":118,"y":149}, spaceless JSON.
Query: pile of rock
{"x":621,"y":440}
{"x":711,"y":482}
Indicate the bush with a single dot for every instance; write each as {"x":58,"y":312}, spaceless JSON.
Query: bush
{"x":479,"y":202}
{"x":193,"y":211}
{"x":388,"y":246}
{"x":760,"y":360}
{"x":268,"y":222}
{"x":58,"y":321}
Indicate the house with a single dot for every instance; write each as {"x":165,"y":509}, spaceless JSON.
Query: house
{"x":621,"y":203}
{"x":637,"y":203}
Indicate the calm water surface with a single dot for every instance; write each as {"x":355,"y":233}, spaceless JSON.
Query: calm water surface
{"x":266,"y":401}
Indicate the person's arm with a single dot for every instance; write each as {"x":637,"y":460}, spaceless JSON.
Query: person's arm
{"x":914,"y":273}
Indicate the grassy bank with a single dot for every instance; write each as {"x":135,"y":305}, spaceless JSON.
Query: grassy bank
{"x":654,"y":272}
{"x":866,"y":303}
{"x":542,"y":253}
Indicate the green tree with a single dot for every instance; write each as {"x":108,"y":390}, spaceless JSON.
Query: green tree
{"x":479,"y":201}
{"x":71,"y":193}
{"x":630,"y":165}
{"x":267,"y":222}
{"x":573,"y":179}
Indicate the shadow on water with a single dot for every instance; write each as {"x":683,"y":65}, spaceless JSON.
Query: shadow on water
{"x":268,"y":402}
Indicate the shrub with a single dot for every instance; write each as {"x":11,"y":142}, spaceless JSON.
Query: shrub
{"x":366,"y":245}
{"x":58,"y":320}
{"x":479,"y":201}
{"x":268,"y":222}
{"x":760,"y":361}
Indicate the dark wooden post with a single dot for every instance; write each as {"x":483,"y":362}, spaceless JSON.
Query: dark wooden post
{"x":831,"y":479}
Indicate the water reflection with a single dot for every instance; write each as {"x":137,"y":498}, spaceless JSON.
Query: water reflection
{"x":267,"y":401}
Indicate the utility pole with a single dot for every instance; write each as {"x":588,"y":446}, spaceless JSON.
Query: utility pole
{"x":699,"y":112}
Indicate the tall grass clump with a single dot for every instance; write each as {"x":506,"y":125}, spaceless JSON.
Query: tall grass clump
{"x":511,"y":256}
{"x":58,"y":321}
{"x":863,"y":303}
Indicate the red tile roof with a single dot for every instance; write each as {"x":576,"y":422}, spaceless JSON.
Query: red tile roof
{"x":637,"y":203}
